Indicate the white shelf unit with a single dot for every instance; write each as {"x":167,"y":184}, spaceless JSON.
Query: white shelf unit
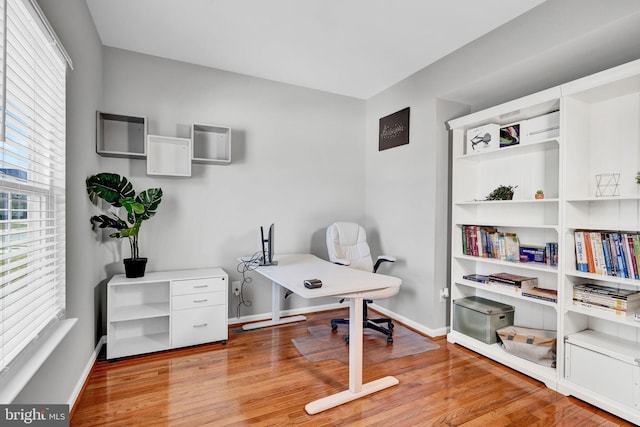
{"x":601,"y":128}
{"x":529,"y":166}
{"x":168,"y":156}
{"x":119,"y":135}
{"x":165,"y":310}
{"x":598,"y":351}
{"x":211,"y":144}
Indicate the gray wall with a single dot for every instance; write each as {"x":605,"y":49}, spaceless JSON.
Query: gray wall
{"x":556,"y":42}
{"x":57,"y":378}
{"x":297,"y":161}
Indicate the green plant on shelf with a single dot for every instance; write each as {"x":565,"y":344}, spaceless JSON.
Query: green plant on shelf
{"x":502,"y":192}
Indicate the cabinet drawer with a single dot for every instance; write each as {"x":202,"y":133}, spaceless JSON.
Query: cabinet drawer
{"x":196,"y":286}
{"x":180,"y":302}
{"x":198,"y":326}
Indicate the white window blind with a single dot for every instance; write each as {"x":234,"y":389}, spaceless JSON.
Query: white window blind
{"x":32,"y":178}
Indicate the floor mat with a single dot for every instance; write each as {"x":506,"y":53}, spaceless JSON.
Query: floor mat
{"x":323,"y":344}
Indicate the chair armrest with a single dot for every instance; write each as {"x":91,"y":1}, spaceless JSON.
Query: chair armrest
{"x":341,"y":261}
{"x":381,"y":259}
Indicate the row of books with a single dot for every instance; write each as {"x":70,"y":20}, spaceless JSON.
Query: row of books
{"x":616,"y":301}
{"x":608,"y":253}
{"x":489,"y":242}
{"x":525,"y":286}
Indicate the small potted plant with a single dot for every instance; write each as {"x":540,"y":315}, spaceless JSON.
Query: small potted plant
{"x":539,"y":194}
{"x":119,"y":192}
{"x":502,"y":192}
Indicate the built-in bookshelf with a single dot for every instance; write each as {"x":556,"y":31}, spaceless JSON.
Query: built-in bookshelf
{"x":591,"y":201}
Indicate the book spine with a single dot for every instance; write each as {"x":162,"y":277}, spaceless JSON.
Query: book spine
{"x":581,"y":255}
{"x":615,"y":267}
{"x":599,"y":307}
{"x":607,"y":255}
{"x":636,"y":249}
{"x":464,"y":240}
{"x":596,"y":250}
{"x":620,"y":254}
{"x":540,"y":297}
{"x":587,"y":247}
{"x":631,"y":255}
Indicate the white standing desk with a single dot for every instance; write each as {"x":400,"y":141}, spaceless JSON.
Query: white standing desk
{"x":338,"y":281}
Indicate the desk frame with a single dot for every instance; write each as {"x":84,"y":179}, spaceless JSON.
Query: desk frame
{"x":355,"y":294}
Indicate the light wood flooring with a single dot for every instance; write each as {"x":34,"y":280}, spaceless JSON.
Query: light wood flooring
{"x":260,"y":378}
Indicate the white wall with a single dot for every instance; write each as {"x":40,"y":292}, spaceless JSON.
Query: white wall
{"x":57,"y":378}
{"x":297,"y":161}
{"x":556,"y":42}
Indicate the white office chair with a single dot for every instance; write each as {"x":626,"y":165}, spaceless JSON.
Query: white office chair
{"x":347,"y":245}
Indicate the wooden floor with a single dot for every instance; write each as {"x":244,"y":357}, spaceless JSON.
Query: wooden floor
{"x":259,"y":378}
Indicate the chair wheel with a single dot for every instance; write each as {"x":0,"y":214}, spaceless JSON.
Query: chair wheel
{"x":389,"y":340}
{"x":391,"y":326}
{"x":334,"y":327}
{"x":346,"y":340}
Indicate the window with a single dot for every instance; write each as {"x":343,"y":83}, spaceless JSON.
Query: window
{"x":32,"y":177}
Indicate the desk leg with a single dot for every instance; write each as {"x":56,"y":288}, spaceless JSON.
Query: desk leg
{"x":275,"y":313}
{"x":356,"y":388}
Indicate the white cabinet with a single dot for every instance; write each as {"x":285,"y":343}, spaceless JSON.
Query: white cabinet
{"x":588,"y":174}
{"x":165,"y":310}
{"x":529,"y":166}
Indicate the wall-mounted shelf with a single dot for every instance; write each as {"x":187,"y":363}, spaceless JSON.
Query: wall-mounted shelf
{"x":211,"y":144}
{"x":119,"y":135}
{"x":168,"y":156}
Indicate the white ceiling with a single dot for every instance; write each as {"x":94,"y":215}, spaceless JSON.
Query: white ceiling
{"x":351,"y":47}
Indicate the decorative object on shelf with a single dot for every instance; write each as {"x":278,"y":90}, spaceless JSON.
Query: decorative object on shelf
{"x":119,"y":192}
{"x":510,"y":135}
{"x":483,"y":138}
{"x":502,"y":192}
{"x":607,"y":184}
{"x":394,"y":130}
{"x":539,"y":194}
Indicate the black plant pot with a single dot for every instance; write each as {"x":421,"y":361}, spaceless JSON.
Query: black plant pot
{"x":134,"y":267}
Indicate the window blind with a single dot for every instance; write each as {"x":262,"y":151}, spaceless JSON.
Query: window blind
{"x":32,"y":179}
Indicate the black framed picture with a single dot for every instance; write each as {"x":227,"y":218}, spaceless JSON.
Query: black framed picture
{"x":394,"y":130}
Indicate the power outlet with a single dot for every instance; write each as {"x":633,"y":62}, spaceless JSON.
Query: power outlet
{"x":444,"y":294}
{"x":235,"y":286}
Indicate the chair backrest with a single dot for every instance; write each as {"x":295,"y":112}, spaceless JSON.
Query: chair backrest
{"x":348,"y":241}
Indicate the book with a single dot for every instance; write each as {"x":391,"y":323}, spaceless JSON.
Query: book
{"x":597,"y":252}
{"x":588,"y":249}
{"x":600,"y":308}
{"x":514,"y":280}
{"x":512,"y":247}
{"x":541,"y":293}
{"x":631,"y":257}
{"x":476,"y":278}
{"x":581,"y":254}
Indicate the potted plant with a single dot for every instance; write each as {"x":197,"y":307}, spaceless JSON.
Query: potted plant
{"x":119,"y":192}
{"x":539,"y":194}
{"x":502,"y":192}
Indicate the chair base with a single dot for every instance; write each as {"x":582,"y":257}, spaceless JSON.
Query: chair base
{"x":368,"y":323}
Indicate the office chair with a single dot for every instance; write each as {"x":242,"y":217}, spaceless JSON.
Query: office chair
{"x":347,"y":245}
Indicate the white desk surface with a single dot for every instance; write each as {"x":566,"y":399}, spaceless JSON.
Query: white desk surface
{"x":337,"y":280}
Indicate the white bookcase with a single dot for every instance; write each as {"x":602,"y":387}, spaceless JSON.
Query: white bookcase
{"x":599,"y":135}
{"x":165,"y":310}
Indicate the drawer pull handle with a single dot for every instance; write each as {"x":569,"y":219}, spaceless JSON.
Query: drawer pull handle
{"x":201,"y":325}
{"x":200,"y":300}
{"x":201,"y":286}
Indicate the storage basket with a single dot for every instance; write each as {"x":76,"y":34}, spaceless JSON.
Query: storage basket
{"x":536,"y":345}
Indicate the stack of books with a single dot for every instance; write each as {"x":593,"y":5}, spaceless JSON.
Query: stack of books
{"x":615,"y":301}
{"x":525,"y":286}
{"x":608,"y":253}
{"x":550,"y":295}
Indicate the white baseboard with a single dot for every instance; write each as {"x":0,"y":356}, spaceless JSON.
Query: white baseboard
{"x":433,"y":333}
{"x":283,"y":313}
{"x":87,"y":371}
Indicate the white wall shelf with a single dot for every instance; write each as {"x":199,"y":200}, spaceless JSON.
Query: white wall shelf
{"x":211,"y":144}
{"x":168,"y":156}
{"x":119,"y":135}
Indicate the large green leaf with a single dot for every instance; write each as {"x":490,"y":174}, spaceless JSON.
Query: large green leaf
{"x":150,"y":199}
{"x":110,"y":187}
